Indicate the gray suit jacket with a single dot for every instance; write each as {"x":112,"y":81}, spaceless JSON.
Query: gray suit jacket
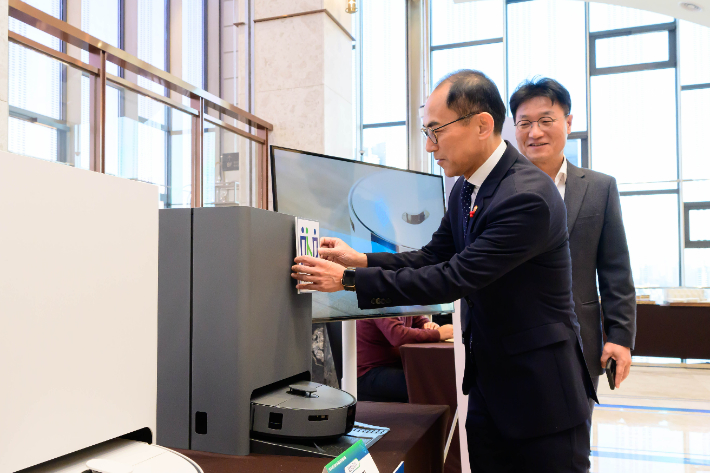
{"x":597,"y":243}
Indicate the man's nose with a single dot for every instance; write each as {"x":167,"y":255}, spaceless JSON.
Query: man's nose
{"x":430,"y":146}
{"x":535,"y":130}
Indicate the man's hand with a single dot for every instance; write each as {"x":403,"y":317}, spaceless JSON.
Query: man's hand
{"x":622,"y":355}
{"x":325,"y":276}
{"x":446,"y":332}
{"x":430,"y":326}
{"x":337,"y":251}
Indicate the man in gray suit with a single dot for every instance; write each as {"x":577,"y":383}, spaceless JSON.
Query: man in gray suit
{"x":541,"y":111}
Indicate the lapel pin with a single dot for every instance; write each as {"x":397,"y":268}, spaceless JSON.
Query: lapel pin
{"x":473,"y":212}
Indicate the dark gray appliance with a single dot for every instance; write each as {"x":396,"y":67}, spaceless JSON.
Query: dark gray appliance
{"x":230,"y":322}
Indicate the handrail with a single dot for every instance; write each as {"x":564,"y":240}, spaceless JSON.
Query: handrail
{"x":47,"y":51}
{"x":157,"y":97}
{"x":200,"y":100}
{"x":76,"y":37}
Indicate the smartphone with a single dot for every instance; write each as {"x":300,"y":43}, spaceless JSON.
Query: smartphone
{"x":611,"y":373}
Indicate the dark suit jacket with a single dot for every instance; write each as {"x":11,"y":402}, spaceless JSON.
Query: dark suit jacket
{"x":597,"y":242}
{"x":514,"y":271}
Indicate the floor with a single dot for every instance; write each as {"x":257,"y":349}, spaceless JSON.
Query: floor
{"x":658,"y":422}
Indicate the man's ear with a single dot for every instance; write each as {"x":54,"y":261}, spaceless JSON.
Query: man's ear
{"x":486,"y":124}
{"x":569,"y":124}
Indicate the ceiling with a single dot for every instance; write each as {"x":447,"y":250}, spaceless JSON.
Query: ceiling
{"x":669,"y":7}
{"x":666,"y":7}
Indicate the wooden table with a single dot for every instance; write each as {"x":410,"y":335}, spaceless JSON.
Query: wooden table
{"x":417,"y":436}
{"x":675,"y":331}
{"x":431,"y":379}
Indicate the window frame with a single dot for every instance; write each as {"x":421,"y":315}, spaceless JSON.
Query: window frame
{"x":688,"y":206}
{"x":672,"y":61}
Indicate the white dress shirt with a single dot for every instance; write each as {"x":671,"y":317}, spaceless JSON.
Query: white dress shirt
{"x":482,"y":173}
{"x":561,"y":178}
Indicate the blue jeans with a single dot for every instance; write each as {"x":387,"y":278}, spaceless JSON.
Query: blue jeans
{"x":383,"y":384}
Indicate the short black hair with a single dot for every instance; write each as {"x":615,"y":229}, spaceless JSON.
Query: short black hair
{"x":473,"y":92}
{"x":541,"y":87}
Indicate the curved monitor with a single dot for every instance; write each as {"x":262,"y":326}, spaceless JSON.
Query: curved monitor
{"x":372,"y":208}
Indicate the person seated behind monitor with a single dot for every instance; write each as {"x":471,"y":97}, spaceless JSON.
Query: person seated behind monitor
{"x":380,"y":375}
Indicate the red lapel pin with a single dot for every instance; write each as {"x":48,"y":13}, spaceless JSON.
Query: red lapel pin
{"x":473,"y":212}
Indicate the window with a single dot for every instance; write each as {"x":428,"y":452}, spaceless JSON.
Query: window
{"x":694,"y":45}
{"x":632,"y":49}
{"x":487,"y":58}
{"x":386,"y":145}
{"x":651,"y":223}
{"x":695,"y":100}
{"x":36,"y":92}
{"x":634,"y":134}
{"x":384,"y":82}
{"x":575,"y":152}
{"x":455,"y":23}
{"x":634,"y":138}
{"x":546,"y":38}
{"x":467,"y":35}
{"x":698,"y":218}
{"x":193,"y":42}
{"x":100,"y":18}
{"x":696,"y":158}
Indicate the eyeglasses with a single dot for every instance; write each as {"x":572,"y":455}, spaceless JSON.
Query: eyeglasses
{"x":431,"y":132}
{"x":544,"y":123}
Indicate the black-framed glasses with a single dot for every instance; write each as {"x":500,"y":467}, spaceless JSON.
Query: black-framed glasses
{"x":431,"y":132}
{"x":544,"y":123}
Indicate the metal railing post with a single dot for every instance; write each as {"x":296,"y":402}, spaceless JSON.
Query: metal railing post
{"x":97,"y":58}
{"x":198,"y":133}
{"x":263,"y":172}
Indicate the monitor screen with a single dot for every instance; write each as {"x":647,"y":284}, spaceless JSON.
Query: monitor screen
{"x":372,"y":208}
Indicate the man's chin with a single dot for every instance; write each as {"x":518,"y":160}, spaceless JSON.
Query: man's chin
{"x":448,"y":172}
{"x":535,"y":155}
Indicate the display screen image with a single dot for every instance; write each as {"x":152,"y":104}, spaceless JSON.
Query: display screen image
{"x":372,"y":208}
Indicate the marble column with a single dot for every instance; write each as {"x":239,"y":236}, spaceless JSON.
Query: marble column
{"x":4,"y":107}
{"x":303,"y":74}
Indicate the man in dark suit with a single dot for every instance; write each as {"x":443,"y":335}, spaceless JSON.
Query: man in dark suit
{"x":502,"y":247}
{"x":541,"y":110}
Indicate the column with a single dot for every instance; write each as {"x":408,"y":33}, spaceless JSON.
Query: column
{"x":303,"y":74}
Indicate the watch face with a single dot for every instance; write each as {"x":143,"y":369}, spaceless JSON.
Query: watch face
{"x":349,"y":277}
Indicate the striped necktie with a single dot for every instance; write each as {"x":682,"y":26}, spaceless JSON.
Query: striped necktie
{"x":466,"y":192}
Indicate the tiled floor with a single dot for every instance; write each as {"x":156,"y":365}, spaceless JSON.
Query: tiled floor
{"x":658,"y":422}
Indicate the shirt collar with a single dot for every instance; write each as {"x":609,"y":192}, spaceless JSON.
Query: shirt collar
{"x":561,"y":176}
{"x":482,"y":173}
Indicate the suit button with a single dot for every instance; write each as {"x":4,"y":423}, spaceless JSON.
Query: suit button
{"x":373,"y":301}
{"x":379,"y":301}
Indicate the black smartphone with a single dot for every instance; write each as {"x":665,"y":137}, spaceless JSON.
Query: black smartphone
{"x":611,"y":373}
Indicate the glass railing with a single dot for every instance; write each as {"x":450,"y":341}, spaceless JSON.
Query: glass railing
{"x":144,"y":123}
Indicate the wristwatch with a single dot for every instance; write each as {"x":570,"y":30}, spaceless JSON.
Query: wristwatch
{"x":348,"y":280}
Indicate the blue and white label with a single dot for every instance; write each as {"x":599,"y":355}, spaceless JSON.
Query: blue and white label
{"x":355,"y":459}
{"x":307,"y":241}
